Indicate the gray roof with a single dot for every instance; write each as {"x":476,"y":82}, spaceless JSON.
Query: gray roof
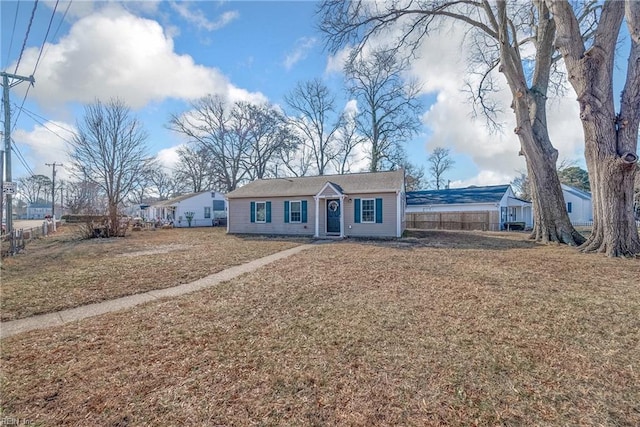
{"x":356,"y":183}
{"x":576,"y":192}
{"x":176,"y":200}
{"x":489,"y":194}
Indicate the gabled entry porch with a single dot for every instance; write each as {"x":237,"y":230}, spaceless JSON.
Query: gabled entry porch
{"x":329,"y":209}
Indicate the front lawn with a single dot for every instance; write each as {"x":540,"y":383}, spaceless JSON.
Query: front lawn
{"x":62,"y":271}
{"x":447,"y":329}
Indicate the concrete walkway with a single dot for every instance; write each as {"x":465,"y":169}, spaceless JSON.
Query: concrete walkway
{"x":42,"y":321}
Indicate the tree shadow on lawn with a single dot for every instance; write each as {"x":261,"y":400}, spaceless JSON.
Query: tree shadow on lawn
{"x":444,"y":239}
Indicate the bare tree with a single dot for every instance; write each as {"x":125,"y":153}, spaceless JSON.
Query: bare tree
{"x":439,"y":161}
{"x":296,"y":163}
{"x":388,"y":104}
{"x":314,"y":117}
{"x":212,"y":124}
{"x":502,"y":31}
{"x":110,"y":151}
{"x":163,"y":183}
{"x":195,"y":168}
{"x":35,"y":188}
{"x":347,"y":141}
{"x":413,"y":176}
{"x":268,"y":134}
{"x":611,"y":139}
{"x":83,"y":197}
{"x":520,"y":185}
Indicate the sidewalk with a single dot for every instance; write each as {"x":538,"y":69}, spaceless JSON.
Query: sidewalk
{"x":48,"y":320}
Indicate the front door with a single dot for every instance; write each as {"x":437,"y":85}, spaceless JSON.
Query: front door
{"x":333,"y":216}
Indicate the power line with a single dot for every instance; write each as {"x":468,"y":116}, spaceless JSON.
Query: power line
{"x":53,"y":14}
{"x":44,"y":42}
{"x":13,"y":31}
{"x":28,"y":113}
{"x":64,"y":15}
{"x":26,"y":36}
{"x":21,"y":158}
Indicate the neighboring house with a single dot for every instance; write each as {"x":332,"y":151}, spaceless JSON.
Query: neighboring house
{"x":578,"y":204}
{"x":471,"y":208}
{"x":352,"y":205}
{"x":38,"y":210}
{"x":206,"y":209}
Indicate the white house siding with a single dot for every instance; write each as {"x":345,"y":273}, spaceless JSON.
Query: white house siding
{"x":176,"y":210}
{"x":239,"y":218}
{"x":581,"y":207}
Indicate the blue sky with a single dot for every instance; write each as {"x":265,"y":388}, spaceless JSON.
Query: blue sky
{"x":159,"y":56}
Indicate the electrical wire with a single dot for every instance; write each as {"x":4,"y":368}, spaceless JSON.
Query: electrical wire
{"x":46,"y":127}
{"x":44,"y":42}
{"x":21,"y":158}
{"x":13,"y":32}
{"x":26,"y":36}
{"x":26,"y":110}
{"x":64,"y":15}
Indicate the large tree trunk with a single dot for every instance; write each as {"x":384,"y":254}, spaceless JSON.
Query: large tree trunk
{"x":610,"y":140}
{"x":551,"y":221}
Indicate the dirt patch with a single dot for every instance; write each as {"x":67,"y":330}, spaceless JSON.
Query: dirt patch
{"x":159,"y":250}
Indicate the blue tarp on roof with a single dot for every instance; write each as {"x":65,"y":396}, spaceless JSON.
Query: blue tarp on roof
{"x":490,"y":194}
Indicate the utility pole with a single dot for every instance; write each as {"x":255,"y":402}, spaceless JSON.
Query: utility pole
{"x":7,"y":134}
{"x":53,"y":192}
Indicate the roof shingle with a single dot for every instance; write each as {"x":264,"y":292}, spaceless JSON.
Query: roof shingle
{"x":489,"y":194}
{"x":356,"y":183}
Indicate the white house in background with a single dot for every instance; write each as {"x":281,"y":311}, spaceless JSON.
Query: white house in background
{"x":497,"y":206}
{"x":578,"y":205}
{"x":38,"y":210}
{"x":206,"y":209}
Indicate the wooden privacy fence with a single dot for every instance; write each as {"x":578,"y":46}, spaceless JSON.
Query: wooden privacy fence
{"x":482,"y":220}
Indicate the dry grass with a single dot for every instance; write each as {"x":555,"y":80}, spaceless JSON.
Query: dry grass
{"x":63,"y":271}
{"x":452,"y":329}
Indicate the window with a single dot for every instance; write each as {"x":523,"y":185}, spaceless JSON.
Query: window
{"x":368,"y":210}
{"x":261,"y":212}
{"x":207,"y":212}
{"x":569,"y":207}
{"x":295,"y":211}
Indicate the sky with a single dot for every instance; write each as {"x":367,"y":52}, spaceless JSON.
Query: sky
{"x":159,"y":57}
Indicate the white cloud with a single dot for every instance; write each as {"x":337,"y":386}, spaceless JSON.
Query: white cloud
{"x":168,"y":157}
{"x":335,"y":63}
{"x":113,"y":53}
{"x":199,"y":19}
{"x":46,"y":143}
{"x":485,"y":177}
{"x":300,"y":51}
{"x":442,"y":69}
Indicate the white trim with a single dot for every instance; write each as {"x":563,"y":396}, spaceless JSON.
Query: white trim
{"x":317,"y":231}
{"x":337,"y":192}
{"x":291,"y":211}
{"x":256,"y":212}
{"x":342,"y":215}
{"x":399,"y":214}
{"x":362,"y":221}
